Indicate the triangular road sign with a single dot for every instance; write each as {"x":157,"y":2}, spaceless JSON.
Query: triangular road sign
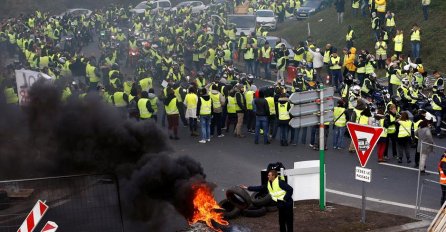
{"x":50,"y":227}
{"x":364,"y":138}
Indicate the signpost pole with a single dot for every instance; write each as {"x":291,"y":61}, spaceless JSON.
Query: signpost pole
{"x":363,"y":203}
{"x":321,"y":152}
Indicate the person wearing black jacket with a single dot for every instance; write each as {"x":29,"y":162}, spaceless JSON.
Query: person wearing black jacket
{"x":281,"y":192}
{"x":391,"y":125}
{"x":241,"y":109}
{"x":261,"y":109}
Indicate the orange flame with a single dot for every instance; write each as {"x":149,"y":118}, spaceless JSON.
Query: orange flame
{"x":205,"y":207}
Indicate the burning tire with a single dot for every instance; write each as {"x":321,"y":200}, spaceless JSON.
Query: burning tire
{"x":260,"y":199}
{"x":231,"y":211}
{"x":239,"y":197}
{"x":254,"y":211}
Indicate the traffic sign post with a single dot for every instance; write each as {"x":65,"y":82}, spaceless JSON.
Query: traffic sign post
{"x":364,"y":139}
{"x":314,"y":107}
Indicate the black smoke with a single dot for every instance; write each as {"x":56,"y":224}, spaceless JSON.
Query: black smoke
{"x":50,"y":138}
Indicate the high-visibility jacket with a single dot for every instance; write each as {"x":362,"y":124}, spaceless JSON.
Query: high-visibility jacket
{"x":249,"y":54}
{"x":118,"y":97}
{"x":369,"y":67}
{"x":309,"y":74}
{"x":434,"y":105}
{"x":154,"y":104}
{"x":405,"y":129}
{"x":210,"y":58}
{"x":326,"y":56}
{"x":399,"y":42}
{"x":299,"y":57}
{"x":416,"y":125}
{"x":215,"y":100}
{"x":201,"y":83}
{"x":237,"y":107}
{"x":266,"y":52}
{"x":441,"y":171}
{"x":132,"y":44}
{"x":339,"y":118}
{"x":349,"y":36}
{"x":144,"y":113}
{"x":231,"y":107}
{"x":283,"y":111}
{"x":364,"y":87}
{"x":392,"y":128}
{"x":275,"y":191}
{"x":335,"y":61}
{"x":381,"y":6}
{"x":90,"y":70}
{"x":44,"y":61}
{"x":172,"y":108}
{"x":381,"y":51}
{"x":146,"y":83}
{"x":191,"y":100}
{"x":355,"y":4}
{"x":249,"y":96}
{"x":415,"y":36}
{"x":281,"y":63}
{"x":390,"y":22}
{"x":381,"y":123}
{"x":206,"y":106}
{"x":11,"y":96}
{"x":272,"y":108}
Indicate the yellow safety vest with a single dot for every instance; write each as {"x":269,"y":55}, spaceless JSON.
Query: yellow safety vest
{"x":349,"y":36}
{"x":399,"y":43}
{"x":144,"y":113}
{"x":272,"y":108}
{"x":326,"y":56}
{"x":249,"y":54}
{"x":392,"y":128}
{"x":275,"y":191}
{"x":215,"y":100}
{"x":146,"y":83}
{"x":119,"y":99}
{"x":249,"y":95}
{"x":434,"y":105}
{"x":369,"y":68}
{"x":231,"y":105}
{"x":283,"y":111}
{"x":390,"y":22}
{"x":340,"y":120}
{"x":191,"y":100}
{"x":335,"y":63}
{"x":404,"y":130}
{"x":90,"y":71}
{"x":154,"y":104}
{"x":381,"y":51}
{"x":211,"y":57}
{"x":172,"y":107}
{"x":381,"y":123}
{"x":11,"y":96}
{"x":206,"y":106}
{"x":415,"y":36}
{"x":201,"y":84}
{"x":266,"y":53}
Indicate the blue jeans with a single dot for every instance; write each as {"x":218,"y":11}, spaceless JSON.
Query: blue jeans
{"x":249,"y":66}
{"x":256,"y":69}
{"x":283,"y":132}
{"x":415,"y":50}
{"x":314,"y":132}
{"x":438,"y":116}
{"x":205,"y":122}
{"x":338,"y":136}
{"x":426,"y":12}
{"x":295,"y":135}
{"x":337,"y":78}
{"x":267,"y":68}
{"x":261,"y":123}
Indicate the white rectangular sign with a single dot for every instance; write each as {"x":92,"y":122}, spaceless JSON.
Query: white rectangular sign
{"x":363,"y":174}
{"x":25,"y":79}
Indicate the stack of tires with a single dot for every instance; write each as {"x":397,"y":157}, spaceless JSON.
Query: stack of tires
{"x":239,"y":202}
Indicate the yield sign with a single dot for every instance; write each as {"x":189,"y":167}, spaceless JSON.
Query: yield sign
{"x":364,"y":138}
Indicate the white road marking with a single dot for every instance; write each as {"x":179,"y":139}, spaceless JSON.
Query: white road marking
{"x":380,"y":201}
{"x":408,"y":168}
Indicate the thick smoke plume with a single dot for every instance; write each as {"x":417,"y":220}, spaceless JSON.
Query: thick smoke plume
{"x":48,"y":138}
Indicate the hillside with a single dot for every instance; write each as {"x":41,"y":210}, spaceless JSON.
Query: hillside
{"x":325,"y":29}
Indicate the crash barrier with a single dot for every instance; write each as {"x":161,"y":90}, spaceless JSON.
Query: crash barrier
{"x":428,"y":195}
{"x":76,"y":203}
{"x":439,"y":223}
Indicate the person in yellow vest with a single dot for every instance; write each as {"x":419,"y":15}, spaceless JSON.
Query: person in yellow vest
{"x":200,"y":80}
{"x":282,"y":56}
{"x":231,"y":111}
{"x":248,"y":57}
{"x":381,"y":6}
{"x":265,"y":58}
{"x":398,"y":43}
{"x":145,"y":109}
{"x":283,"y":118}
{"x":92,"y":73}
{"x":120,"y":100}
{"x":173,"y":115}
{"x":218,"y":103}
{"x":190,"y":101}
{"x":204,"y":111}
{"x":281,"y":192}
{"x":339,"y":125}
{"x":250,"y":114}
{"x":10,"y":94}
{"x":425,"y":5}
{"x":355,"y":7}
{"x":381,"y":53}
{"x":154,"y":103}
{"x":335,"y":69}
{"x":415,"y":41}
{"x":350,"y":37}
{"x":441,"y":172}
{"x":404,"y":130}
{"x":240,"y":108}
{"x":437,"y":106}
{"x":382,"y":142}
{"x":390,"y":125}
{"x":390,"y":23}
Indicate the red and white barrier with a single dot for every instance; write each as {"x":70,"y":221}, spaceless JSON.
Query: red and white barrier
{"x":34,"y":217}
{"x":50,"y":227}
